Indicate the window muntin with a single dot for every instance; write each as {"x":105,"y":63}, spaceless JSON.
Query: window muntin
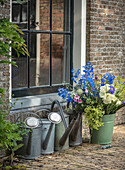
{"x":48,"y":39}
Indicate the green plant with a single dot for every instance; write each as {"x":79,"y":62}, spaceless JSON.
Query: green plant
{"x":92,"y":90}
{"x":10,"y":39}
{"x":93,"y":116}
{"x":2,"y":1}
{"x":10,"y":133}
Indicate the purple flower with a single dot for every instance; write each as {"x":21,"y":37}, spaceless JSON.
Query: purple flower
{"x":79,"y":101}
{"x":75,"y":100}
{"x":123,"y":103}
{"x":76,"y":97}
{"x":112,"y":90}
{"x":86,"y":91}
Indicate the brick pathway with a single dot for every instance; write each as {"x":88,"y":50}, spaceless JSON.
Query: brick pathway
{"x":85,"y":157}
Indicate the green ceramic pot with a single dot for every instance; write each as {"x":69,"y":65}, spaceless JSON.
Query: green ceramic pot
{"x":104,"y":134}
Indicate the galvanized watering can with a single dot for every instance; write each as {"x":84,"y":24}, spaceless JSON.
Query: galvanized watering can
{"x":48,"y":131}
{"x":63,"y":129}
{"x":75,"y":137}
{"x":40,"y":140}
{"x":32,"y":141}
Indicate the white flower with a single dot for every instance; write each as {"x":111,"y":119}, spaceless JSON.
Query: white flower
{"x":103,"y":90}
{"x":79,"y":91}
{"x":102,"y":94}
{"x":108,"y":98}
{"x":114,"y":98}
{"x":118,"y":102}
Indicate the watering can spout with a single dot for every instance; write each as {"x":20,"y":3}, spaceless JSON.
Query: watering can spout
{"x":67,"y":133}
{"x":45,"y":143}
{"x":54,"y":118}
{"x":76,"y":127}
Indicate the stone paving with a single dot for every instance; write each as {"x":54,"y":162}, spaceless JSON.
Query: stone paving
{"x":85,"y":157}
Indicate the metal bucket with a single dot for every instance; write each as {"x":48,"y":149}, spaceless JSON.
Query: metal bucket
{"x":103,"y":135}
{"x":46,"y":127}
{"x":75,"y":137}
{"x":32,"y":142}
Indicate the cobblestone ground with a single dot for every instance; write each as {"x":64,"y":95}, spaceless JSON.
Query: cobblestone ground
{"x":85,"y":157}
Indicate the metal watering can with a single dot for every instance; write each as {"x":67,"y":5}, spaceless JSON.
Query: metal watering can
{"x":63,"y":129}
{"x":32,"y":140}
{"x":75,"y":137}
{"x":48,"y":131}
{"x":39,"y":140}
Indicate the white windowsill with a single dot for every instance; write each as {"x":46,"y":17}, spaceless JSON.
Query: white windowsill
{"x":33,"y":101}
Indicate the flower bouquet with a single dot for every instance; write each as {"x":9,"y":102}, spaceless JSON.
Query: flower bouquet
{"x":93,"y":95}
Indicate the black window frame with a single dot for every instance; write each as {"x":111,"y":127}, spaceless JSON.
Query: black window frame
{"x":30,"y":91}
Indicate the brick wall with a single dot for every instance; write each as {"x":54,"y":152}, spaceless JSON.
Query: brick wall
{"x":4,"y":68}
{"x":106,"y":39}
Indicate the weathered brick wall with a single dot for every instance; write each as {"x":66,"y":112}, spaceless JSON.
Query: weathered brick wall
{"x":106,"y":39}
{"x":4,"y":68}
{"x":105,"y":36}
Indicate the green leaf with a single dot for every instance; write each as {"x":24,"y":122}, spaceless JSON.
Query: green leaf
{"x":19,"y":1}
{"x":17,"y":147}
{"x":8,"y":62}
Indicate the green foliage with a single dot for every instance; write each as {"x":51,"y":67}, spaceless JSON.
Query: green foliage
{"x":93,"y":116}
{"x":2,"y":1}
{"x":120,"y":86}
{"x":10,"y":133}
{"x":10,"y":39}
{"x":16,"y":167}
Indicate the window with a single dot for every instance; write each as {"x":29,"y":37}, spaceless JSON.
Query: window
{"x":47,"y":28}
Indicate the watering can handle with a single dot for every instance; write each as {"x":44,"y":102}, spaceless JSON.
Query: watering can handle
{"x":61,"y":112}
{"x":27,"y":114}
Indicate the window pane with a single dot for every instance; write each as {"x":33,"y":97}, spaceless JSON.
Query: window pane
{"x":19,"y":74}
{"x":19,"y":14}
{"x":32,"y":14}
{"x":60,"y":59}
{"x":60,"y":15}
{"x":16,"y":13}
{"x":24,"y":12}
{"x":40,"y":17}
{"x":39,"y":61}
